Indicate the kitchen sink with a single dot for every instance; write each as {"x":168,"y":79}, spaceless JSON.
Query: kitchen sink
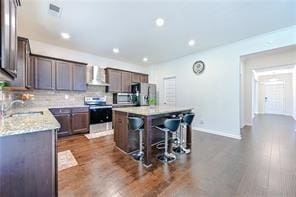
{"x":21,"y":114}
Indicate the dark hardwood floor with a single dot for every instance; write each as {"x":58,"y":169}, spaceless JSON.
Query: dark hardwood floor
{"x":263,"y":163}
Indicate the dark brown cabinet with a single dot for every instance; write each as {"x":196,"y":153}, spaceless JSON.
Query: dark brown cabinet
{"x":9,"y":38}
{"x":44,"y":73}
{"x":65,"y":122}
{"x":126,"y":81}
{"x":24,"y":79}
{"x":120,"y":125}
{"x":28,"y":164}
{"x":121,"y":80}
{"x":144,"y":78}
{"x":136,"y":77}
{"x":29,"y":70}
{"x":80,"y":122}
{"x":63,"y":75}
{"x":113,"y":77}
{"x":72,"y":120}
{"x":57,"y":74}
{"x":79,"y":77}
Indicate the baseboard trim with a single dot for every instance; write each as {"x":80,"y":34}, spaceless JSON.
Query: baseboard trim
{"x":238,"y":137}
{"x":247,"y":124}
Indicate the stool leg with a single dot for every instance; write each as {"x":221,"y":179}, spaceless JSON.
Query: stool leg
{"x":183,"y":141}
{"x":166,"y":157}
{"x":166,"y":144}
{"x":179,"y":148}
{"x":141,"y":141}
{"x":139,"y":155}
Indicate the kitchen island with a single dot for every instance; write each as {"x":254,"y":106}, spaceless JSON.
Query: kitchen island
{"x":152,"y":115}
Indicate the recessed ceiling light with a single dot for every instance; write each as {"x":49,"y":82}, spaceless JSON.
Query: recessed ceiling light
{"x":145,"y":59}
{"x":65,"y":35}
{"x":159,"y":22}
{"x":191,"y":43}
{"x":115,"y":50}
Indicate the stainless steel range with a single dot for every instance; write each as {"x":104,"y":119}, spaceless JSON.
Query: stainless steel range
{"x":100,"y":112}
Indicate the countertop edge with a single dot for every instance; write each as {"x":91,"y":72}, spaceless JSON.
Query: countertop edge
{"x":48,"y":120}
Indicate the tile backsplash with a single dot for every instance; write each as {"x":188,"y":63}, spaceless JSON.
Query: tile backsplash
{"x":48,"y":98}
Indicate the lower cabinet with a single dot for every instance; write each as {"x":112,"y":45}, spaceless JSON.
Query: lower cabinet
{"x":80,"y":122}
{"x":28,"y":164}
{"x":72,"y":120}
{"x":65,"y":122}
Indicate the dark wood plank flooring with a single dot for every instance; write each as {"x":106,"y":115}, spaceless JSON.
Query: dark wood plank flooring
{"x":263,"y":163}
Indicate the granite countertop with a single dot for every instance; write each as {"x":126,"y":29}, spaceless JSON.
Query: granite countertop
{"x":28,"y":123}
{"x":124,"y":105}
{"x":149,"y":110}
{"x":67,"y":106}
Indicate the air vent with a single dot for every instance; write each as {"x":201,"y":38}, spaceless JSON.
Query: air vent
{"x":54,"y":10}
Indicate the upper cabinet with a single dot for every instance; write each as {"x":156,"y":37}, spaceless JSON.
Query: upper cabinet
{"x":139,"y":78}
{"x":57,"y":74}
{"x":113,"y":77}
{"x":9,"y":38}
{"x":24,"y":79}
{"x":63,"y":75}
{"x":79,"y":77}
{"x":136,"y":77}
{"x":44,"y":69}
{"x":144,"y":78}
{"x":121,"y":80}
{"x":126,"y":81}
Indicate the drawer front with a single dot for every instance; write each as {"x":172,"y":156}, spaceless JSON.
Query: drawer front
{"x":60,"y":111}
{"x":80,"y":109}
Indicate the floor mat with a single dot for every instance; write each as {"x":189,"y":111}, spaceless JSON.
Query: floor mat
{"x":66,"y":160}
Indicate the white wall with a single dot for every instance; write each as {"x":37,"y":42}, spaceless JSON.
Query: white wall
{"x":215,"y":95}
{"x":278,"y":58}
{"x":64,"y":53}
{"x":288,"y":93}
{"x":294,"y":91}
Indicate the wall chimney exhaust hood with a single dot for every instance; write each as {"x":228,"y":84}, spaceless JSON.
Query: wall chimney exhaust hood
{"x":95,"y":79}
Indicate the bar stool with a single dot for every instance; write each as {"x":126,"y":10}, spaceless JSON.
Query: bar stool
{"x":135,"y":124}
{"x":161,"y":145}
{"x":170,"y":125}
{"x":186,"y":121}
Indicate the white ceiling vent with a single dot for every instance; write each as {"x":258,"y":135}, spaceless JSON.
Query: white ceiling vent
{"x":54,"y":9}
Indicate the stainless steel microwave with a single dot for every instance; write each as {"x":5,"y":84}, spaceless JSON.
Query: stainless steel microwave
{"x":122,"y":98}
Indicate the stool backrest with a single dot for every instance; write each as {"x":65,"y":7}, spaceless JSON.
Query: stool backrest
{"x":188,"y":118}
{"x":172,"y":124}
{"x":135,"y":123}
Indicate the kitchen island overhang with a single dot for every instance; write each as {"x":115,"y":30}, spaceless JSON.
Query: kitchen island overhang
{"x":125,"y":140}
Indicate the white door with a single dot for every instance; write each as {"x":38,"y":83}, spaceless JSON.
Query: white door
{"x":169,"y":91}
{"x":274,"y":97}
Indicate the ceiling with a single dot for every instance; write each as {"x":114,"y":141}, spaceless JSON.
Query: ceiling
{"x":98,"y":26}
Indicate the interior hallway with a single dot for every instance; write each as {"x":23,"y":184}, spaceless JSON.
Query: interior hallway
{"x":261,"y":164}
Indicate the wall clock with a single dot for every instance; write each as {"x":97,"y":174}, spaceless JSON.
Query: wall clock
{"x":198,"y":67}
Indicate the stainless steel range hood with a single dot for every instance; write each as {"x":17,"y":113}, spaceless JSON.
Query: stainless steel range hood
{"x":96,"y":77}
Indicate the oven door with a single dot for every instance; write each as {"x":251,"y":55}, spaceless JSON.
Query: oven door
{"x":100,"y":114}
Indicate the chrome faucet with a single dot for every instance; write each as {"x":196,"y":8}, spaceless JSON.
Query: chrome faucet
{"x":4,"y":110}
